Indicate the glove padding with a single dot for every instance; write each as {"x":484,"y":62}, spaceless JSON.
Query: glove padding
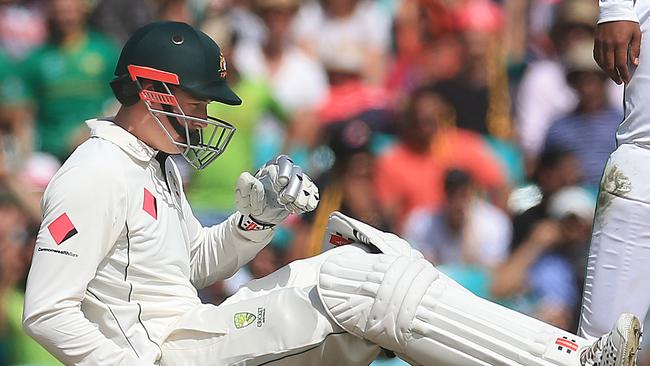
{"x":277,"y":189}
{"x":343,"y":230}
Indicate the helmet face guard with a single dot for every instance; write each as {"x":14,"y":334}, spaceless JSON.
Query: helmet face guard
{"x":201,"y":146}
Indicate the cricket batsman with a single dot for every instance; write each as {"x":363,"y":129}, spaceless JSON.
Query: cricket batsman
{"x":119,"y":255}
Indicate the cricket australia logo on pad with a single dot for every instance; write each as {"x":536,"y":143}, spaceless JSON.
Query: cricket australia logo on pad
{"x":243,"y":319}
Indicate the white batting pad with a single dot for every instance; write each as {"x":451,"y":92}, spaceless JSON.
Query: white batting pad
{"x":406,"y":305}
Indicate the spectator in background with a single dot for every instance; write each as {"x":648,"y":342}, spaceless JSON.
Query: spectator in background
{"x":175,"y":11}
{"x":349,"y":95}
{"x":20,"y":196}
{"x":556,"y":170}
{"x":545,"y":79}
{"x":574,"y":208}
{"x":26,"y":185}
{"x":422,"y":52}
{"x":244,"y":22}
{"x":587,"y":132}
{"x":479,"y":92}
{"x":428,"y":145}
{"x":22,"y":26}
{"x":22,"y":171}
{"x":333,"y":28}
{"x":525,"y":278}
{"x":17,"y":237}
{"x":297,"y":81}
{"x":541,"y":276}
{"x":67,"y":78}
{"x":464,"y":230}
{"x":480,"y":23}
{"x":347,"y":186}
{"x":16,"y":131}
{"x":543,"y":94}
{"x":120,"y":18}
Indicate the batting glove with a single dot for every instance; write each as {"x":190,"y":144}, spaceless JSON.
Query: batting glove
{"x":277,"y":189}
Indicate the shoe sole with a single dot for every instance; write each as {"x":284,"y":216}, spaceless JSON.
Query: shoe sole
{"x":632,"y":338}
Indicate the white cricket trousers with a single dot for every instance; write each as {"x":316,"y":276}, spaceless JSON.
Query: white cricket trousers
{"x":279,"y":321}
{"x":618,"y":267}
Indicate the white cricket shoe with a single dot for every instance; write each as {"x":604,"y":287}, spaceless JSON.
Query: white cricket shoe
{"x":616,"y":348}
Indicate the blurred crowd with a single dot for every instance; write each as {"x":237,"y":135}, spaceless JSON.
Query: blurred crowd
{"x":476,"y":129}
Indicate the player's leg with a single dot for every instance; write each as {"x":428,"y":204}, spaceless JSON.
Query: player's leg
{"x":618,"y":268}
{"x":404,"y":304}
{"x":407,"y":306}
{"x":276,"y":320}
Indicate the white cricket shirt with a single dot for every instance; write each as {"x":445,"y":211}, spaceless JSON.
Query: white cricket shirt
{"x":119,"y":254}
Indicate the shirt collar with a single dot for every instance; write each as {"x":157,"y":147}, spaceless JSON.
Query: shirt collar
{"x":109,"y":131}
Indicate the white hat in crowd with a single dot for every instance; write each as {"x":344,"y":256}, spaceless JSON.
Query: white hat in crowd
{"x":572,"y":201}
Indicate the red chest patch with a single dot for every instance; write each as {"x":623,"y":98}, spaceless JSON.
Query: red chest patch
{"x":62,"y":229}
{"x":150,"y":204}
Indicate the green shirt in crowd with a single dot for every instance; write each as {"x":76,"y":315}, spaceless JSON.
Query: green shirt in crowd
{"x":12,"y":89}
{"x":68,"y":84}
{"x":211,"y":189}
{"x":21,"y":350}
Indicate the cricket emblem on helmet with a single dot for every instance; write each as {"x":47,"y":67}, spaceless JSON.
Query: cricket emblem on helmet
{"x":222,"y":67}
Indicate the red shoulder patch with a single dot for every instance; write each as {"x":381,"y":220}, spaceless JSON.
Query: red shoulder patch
{"x":62,"y":229}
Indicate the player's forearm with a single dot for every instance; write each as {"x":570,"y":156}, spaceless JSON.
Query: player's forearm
{"x":223,"y":249}
{"x":72,"y":339}
{"x":509,"y":277}
{"x":617,"y":10}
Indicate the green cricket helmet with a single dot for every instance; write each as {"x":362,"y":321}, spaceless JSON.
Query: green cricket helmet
{"x":176,"y":54}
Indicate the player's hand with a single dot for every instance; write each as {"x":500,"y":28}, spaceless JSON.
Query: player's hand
{"x":277,"y":189}
{"x":617,"y":46}
{"x":546,"y":234}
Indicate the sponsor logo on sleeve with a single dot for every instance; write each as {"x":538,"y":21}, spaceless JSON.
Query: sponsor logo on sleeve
{"x":57,"y":251}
